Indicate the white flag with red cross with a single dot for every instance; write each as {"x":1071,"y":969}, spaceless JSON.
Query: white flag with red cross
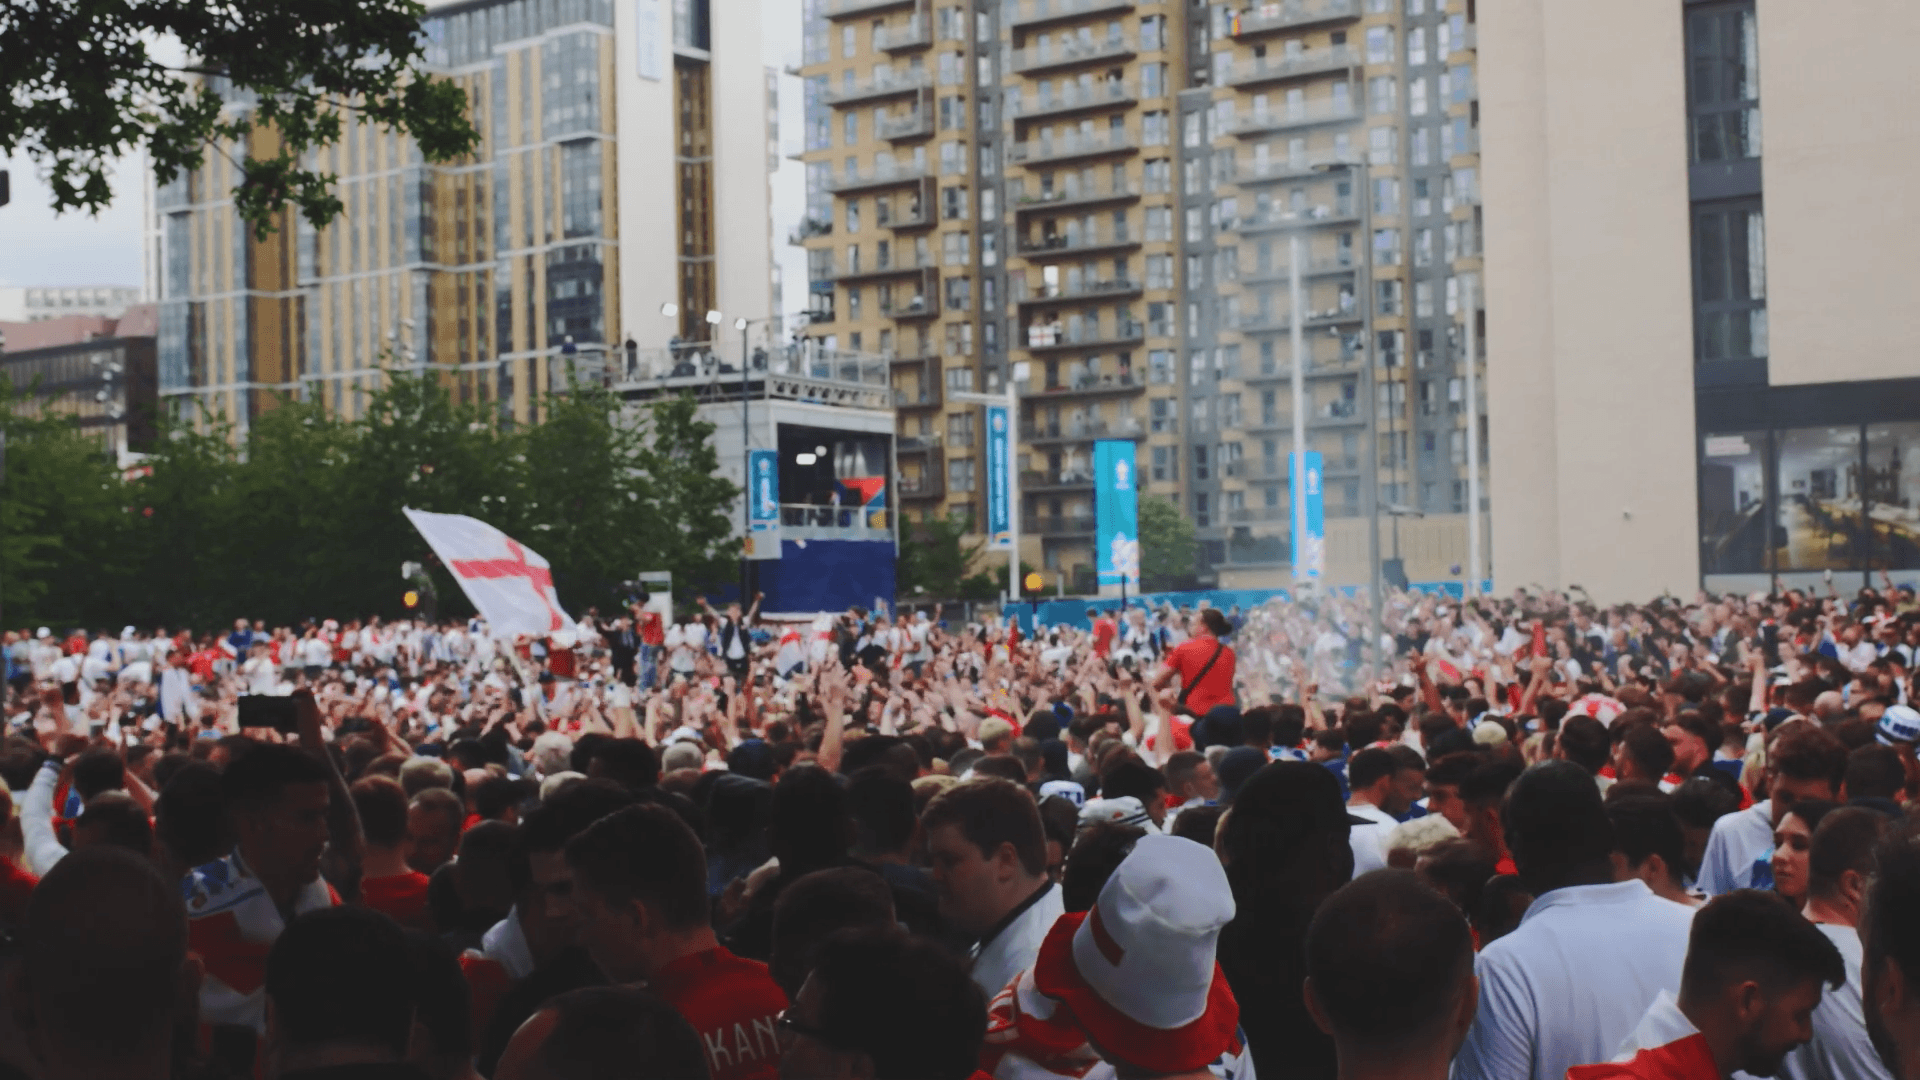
{"x":510,"y":585}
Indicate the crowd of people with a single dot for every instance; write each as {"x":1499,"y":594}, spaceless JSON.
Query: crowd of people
{"x":1520,"y":837}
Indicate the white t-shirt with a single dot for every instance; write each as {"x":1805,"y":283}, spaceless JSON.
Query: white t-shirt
{"x":261,"y":675}
{"x":315,"y":652}
{"x":1840,"y":1049}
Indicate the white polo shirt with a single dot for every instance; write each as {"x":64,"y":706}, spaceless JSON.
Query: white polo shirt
{"x":1572,"y":982}
{"x":1840,"y":1049}
{"x":1737,"y":840}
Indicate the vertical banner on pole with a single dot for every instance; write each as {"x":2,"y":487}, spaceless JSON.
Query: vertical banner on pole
{"x":1309,"y":517}
{"x":999,"y":481}
{"x":1116,"y":513}
{"x":763,"y":504}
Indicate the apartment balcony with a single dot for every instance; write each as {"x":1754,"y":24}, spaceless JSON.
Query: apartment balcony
{"x":1070,"y":53}
{"x":1066,"y":479}
{"x":1324,"y":267}
{"x":1268,"y":18}
{"x":1336,"y":414}
{"x":1348,"y":363}
{"x":925,"y":396}
{"x":1258,"y":515}
{"x":915,"y":33}
{"x":1098,"y":242}
{"x":1084,"y":385}
{"x":1059,"y":200}
{"x":1283,"y":220}
{"x":1252,"y":173}
{"x":848,"y":182}
{"x":1078,"y":525}
{"x":1035,"y":13}
{"x":1284,"y":119}
{"x":894,"y":267}
{"x":923,"y":306}
{"x":1072,"y":98}
{"x":904,"y":127}
{"x":915,"y":444}
{"x":876,"y":89}
{"x":1116,"y":289}
{"x":848,"y":9}
{"x":1267,"y":70}
{"x":928,"y":485}
{"x":1280,"y":322}
{"x":921,"y":218}
{"x":1051,"y":339}
{"x":1075,"y":145}
{"x":808,"y":229}
{"x":1128,"y":428}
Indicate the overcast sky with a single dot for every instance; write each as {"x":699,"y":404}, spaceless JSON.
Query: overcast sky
{"x":38,"y":247}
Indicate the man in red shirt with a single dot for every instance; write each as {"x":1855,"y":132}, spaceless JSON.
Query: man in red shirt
{"x":1755,"y":971}
{"x":1104,"y":629}
{"x":388,"y":884}
{"x":640,"y":892}
{"x":1204,"y":665}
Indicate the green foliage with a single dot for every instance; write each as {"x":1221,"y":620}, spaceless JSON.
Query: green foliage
{"x":1168,"y":547}
{"x":305,"y":519}
{"x":80,"y":87}
{"x":934,"y":561}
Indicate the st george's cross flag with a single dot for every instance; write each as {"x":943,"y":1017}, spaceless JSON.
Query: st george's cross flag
{"x":510,"y":585}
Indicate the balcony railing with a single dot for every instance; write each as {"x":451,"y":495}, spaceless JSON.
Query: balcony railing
{"x":1127,"y":428}
{"x":910,"y":125}
{"x":1070,"y":51}
{"x":808,"y":229}
{"x":1320,"y":267}
{"x":925,"y":306}
{"x":1071,"y":476}
{"x":1291,"y":168}
{"x":1063,"y":198}
{"x":1052,"y":336}
{"x":1039,"y":11}
{"x":1076,"y":290}
{"x":1323,"y":112}
{"x":902,"y":82}
{"x":1312,"y":217}
{"x":855,"y":179}
{"x":805,"y":521}
{"x":841,"y":9}
{"x":926,"y":396}
{"x":1256,"y":322}
{"x":916,"y":444}
{"x":1268,"y":69}
{"x":1289,"y":14}
{"x":915,"y":33}
{"x":1067,"y":243}
{"x":1075,"y":144}
{"x":1088,"y":383}
{"x":924,"y":486}
{"x":1071,"y":96}
{"x":1061,"y":525}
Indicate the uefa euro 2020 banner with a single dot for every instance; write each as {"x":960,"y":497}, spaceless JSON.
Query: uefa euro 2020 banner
{"x":1116,"y":513}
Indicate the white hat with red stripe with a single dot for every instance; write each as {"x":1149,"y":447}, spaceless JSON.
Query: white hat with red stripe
{"x":1137,"y":972}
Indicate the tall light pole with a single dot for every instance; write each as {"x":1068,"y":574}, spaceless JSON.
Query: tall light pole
{"x":1360,"y":171}
{"x":1467,"y":300}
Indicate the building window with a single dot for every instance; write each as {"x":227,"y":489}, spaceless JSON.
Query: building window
{"x":960,"y":474}
{"x":1723,"y":82}
{"x":1380,"y":94}
{"x":1202,"y":462}
{"x":960,"y":431}
{"x":1729,"y":281}
{"x":1163,"y":416}
{"x":1379,"y":44}
{"x":1202,"y":510}
{"x":1166,"y":464}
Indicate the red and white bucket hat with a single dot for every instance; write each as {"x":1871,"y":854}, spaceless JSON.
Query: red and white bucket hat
{"x":1137,"y":972}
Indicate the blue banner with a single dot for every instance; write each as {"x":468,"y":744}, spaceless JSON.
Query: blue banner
{"x":1116,"y":513}
{"x":999,"y":479}
{"x":763,"y":504}
{"x":1309,"y":518}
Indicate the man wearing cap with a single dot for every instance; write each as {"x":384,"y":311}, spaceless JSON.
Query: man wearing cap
{"x":1132,"y":982}
{"x":988,"y":851}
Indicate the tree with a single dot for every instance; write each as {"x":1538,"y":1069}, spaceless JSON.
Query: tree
{"x":80,"y":86}
{"x":1168,"y":547}
{"x":61,"y":518}
{"x":935,"y":559}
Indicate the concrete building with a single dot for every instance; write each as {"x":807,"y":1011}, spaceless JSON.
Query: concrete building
{"x":611,"y":130}
{"x":98,"y":370}
{"x":1096,"y":198}
{"x":1702,"y":366}
{"x":24,"y":303}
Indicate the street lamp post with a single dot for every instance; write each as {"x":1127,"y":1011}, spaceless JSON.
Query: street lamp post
{"x":1361,"y":173}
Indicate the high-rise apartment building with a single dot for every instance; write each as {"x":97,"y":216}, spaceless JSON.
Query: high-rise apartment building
{"x":1098,"y":199}
{"x":612,"y":131}
{"x":1703,"y":340}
